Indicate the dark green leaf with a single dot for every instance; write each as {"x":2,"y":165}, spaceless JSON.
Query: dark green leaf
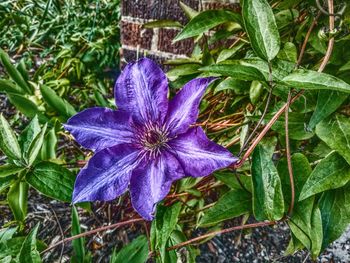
{"x":327,"y":103}
{"x":52,"y":180}
{"x":205,"y":21}
{"x":316,"y":233}
{"x":9,"y":86}
{"x":53,"y":100}
{"x":286,"y":17}
{"x":235,"y":70}
{"x":231,"y":180}
{"x":335,"y":213}
{"x":79,"y":243}
{"x":8,"y":141}
{"x":14,"y":73}
{"x":28,"y":134}
{"x":230,"y":205}
{"x":17,"y":198}
{"x":9,"y":169}
{"x":313,"y":80}
{"x":48,"y":150}
{"x":238,"y":86}
{"x":332,"y":172}
{"x":267,"y":193}
{"x":335,"y":132}
{"x":289,"y":52}
{"x":35,"y":146}
{"x":6,"y":182}
{"x":29,"y":252}
{"x":261,"y":28}
{"x":135,"y":252}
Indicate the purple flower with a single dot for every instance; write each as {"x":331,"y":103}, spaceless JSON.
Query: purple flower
{"x":147,"y":143}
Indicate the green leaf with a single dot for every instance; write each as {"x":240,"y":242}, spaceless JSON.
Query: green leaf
{"x":17,"y":198}
{"x":26,"y":106}
{"x":335,"y":132}
{"x":79,"y":243}
{"x":9,"y":169}
{"x":231,"y":181}
{"x":205,"y":21}
{"x":29,"y":252}
{"x":261,"y":28}
{"x":163,"y":23}
{"x":14,"y":73}
{"x":35,"y":146}
{"x":28,"y":134}
{"x":163,"y":225}
{"x":48,"y":150}
{"x":57,"y":103}
{"x":10,"y":87}
{"x":313,"y":80}
{"x":8,"y":141}
{"x":238,"y":86}
{"x":332,"y":172}
{"x":316,"y":233}
{"x":227,"y":53}
{"x":286,"y":17}
{"x":188,"y":254}
{"x":7,"y":233}
{"x":327,"y":103}
{"x":289,"y":52}
{"x":256,"y":90}
{"x":235,"y":70}
{"x":6,"y":182}
{"x":335,"y":213}
{"x":268,"y":201}
{"x":189,"y":12}
{"x":52,"y":180}
{"x":232,"y":204}
{"x":135,"y":252}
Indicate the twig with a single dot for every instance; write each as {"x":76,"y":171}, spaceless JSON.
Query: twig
{"x":223,"y":231}
{"x":117,"y":225}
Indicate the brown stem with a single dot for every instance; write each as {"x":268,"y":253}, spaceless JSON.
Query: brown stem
{"x":117,"y":225}
{"x":223,"y":231}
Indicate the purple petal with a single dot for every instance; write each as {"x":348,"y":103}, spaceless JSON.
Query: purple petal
{"x":198,"y":155}
{"x":184,"y":107}
{"x":151,"y":182}
{"x":106,"y":175}
{"x":99,"y":128}
{"x":142,"y":90}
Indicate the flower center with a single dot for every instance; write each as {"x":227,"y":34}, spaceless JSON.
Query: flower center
{"x":154,"y":140}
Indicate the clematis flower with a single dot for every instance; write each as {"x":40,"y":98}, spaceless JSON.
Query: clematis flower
{"x":147,"y":143}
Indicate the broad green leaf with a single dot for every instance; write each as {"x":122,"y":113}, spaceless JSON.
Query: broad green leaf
{"x":57,"y":103}
{"x":313,"y":80}
{"x":26,"y":106}
{"x":29,"y":252}
{"x":286,"y":17}
{"x":135,"y":252}
{"x":28,"y":134}
{"x":163,"y":225}
{"x":301,"y":172}
{"x":6,"y":182}
{"x":189,"y":254}
{"x":7,"y":233}
{"x":236,"y":85}
{"x":52,"y":180}
{"x":231,"y":181}
{"x":14,"y":73}
{"x":227,"y":53}
{"x":17,"y":198}
{"x":8,"y":141}
{"x":332,"y":172}
{"x":35,"y":146}
{"x":9,"y":169}
{"x":162,"y":23}
{"x":335,"y":213}
{"x":335,"y":132}
{"x":10,"y":87}
{"x":327,"y":103}
{"x":232,"y":204}
{"x":48,"y":150}
{"x":79,"y":243}
{"x":316,"y":233}
{"x":289,"y":52}
{"x":182,"y":70}
{"x":268,"y":201}
{"x":205,"y":21}
{"x":235,"y":70}
{"x":256,"y":90}
{"x":261,"y":28}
